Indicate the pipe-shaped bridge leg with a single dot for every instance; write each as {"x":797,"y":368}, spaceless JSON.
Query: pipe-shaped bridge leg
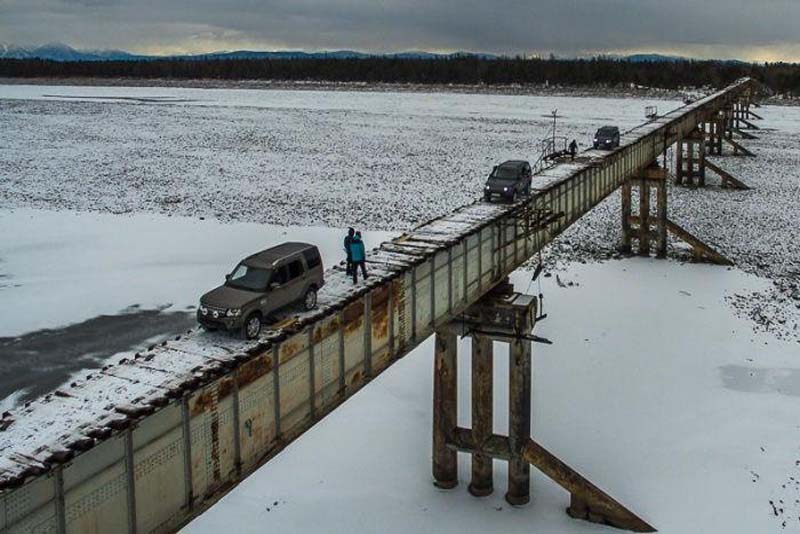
{"x":661,"y":216}
{"x":519,"y":421}
{"x":644,"y":217}
{"x":445,"y":409}
{"x":625,"y":247}
{"x":482,"y":417}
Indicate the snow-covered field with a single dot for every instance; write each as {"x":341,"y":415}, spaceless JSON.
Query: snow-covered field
{"x":673,"y":386}
{"x":383,"y":160}
{"x":380,"y":160}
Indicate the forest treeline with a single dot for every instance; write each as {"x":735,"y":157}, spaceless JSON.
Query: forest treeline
{"x":782,"y":78}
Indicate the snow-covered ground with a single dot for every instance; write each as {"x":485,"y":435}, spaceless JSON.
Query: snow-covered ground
{"x":658,"y":388}
{"x":381,"y":160}
{"x":384,"y":160}
{"x":653,"y":389}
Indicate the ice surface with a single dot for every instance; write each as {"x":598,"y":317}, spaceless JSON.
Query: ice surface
{"x":61,"y":268}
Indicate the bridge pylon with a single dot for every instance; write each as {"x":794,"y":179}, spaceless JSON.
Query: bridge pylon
{"x":652,"y":227}
{"x":506,"y":316}
{"x":715,"y":128}
{"x":690,"y":159}
{"x":647,"y":227}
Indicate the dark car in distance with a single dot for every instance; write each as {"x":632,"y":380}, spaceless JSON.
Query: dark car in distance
{"x":508,"y":180}
{"x":262,"y":284}
{"x":606,"y":138}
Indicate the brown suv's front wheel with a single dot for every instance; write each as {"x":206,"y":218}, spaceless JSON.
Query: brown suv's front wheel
{"x":252,"y":326}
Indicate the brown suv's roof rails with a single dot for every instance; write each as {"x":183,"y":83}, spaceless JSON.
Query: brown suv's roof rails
{"x":268,"y":257}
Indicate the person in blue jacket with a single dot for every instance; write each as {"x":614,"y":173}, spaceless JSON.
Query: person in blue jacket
{"x":358,"y":256}
{"x":347,"y":240}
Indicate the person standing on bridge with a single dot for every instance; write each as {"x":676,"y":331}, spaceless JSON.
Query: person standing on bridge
{"x":358,"y":256}
{"x":573,"y":149}
{"x":347,"y":240}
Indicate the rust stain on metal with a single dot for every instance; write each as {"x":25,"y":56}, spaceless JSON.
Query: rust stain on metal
{"x":290,"y":348}
{"x":203,"y":402}
{"x":253,"y":370}
{"x":328,"y":328}
{"x":380,"y":295}
{"x":224,"y":386}
{"x":356,"y":379}
{"x":285,"y":324}
{"x":380,"y":321}
{"x":398,"y":289}
{"x":215,"y":460}
{"x":353,"y":314}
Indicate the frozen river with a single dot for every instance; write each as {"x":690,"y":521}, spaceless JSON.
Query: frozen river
{"x":120,"y":206}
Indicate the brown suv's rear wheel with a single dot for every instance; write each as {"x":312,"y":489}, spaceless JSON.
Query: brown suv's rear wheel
{"x":252,"y":326}
{"x":310,"y":300}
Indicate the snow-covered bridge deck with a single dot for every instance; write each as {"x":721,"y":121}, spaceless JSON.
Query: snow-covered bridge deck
{"x":143,"y":445}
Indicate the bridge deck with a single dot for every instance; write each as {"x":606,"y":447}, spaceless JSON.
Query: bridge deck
{"x":159,"y":434}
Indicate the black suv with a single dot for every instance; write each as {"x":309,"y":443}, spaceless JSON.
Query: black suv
{"x":508,"y":180}
{"x":607,"y":138}
{"x":262,"y":284}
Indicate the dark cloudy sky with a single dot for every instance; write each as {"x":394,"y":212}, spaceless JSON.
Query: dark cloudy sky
{"x":745,"y":29}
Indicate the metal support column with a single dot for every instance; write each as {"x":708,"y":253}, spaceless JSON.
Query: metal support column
{"x":130,"y":481}
{"x":445,"y":408}
{"x":690,"y":162}
{"x":482,"y":416}
{"x":368,"y":336}
{"x":625,"y":247}
{"x":276,"y":391}
{"x":644,"y":216}
{"x":237,"y":429}
{"x":661,"y":216}
{"x":519,"y":421}
{"x":186,"y":429}
{"x":61,"y":513}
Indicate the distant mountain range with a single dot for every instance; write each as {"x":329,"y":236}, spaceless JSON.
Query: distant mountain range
{"x":62,"y":52}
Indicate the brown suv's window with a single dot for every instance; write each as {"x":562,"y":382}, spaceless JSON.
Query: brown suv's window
{"x":312,"y":258}
{"x":281,"y":275}
{"x":295,"y":269}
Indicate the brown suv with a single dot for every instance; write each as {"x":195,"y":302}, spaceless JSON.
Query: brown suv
{"x":262,"y":284}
